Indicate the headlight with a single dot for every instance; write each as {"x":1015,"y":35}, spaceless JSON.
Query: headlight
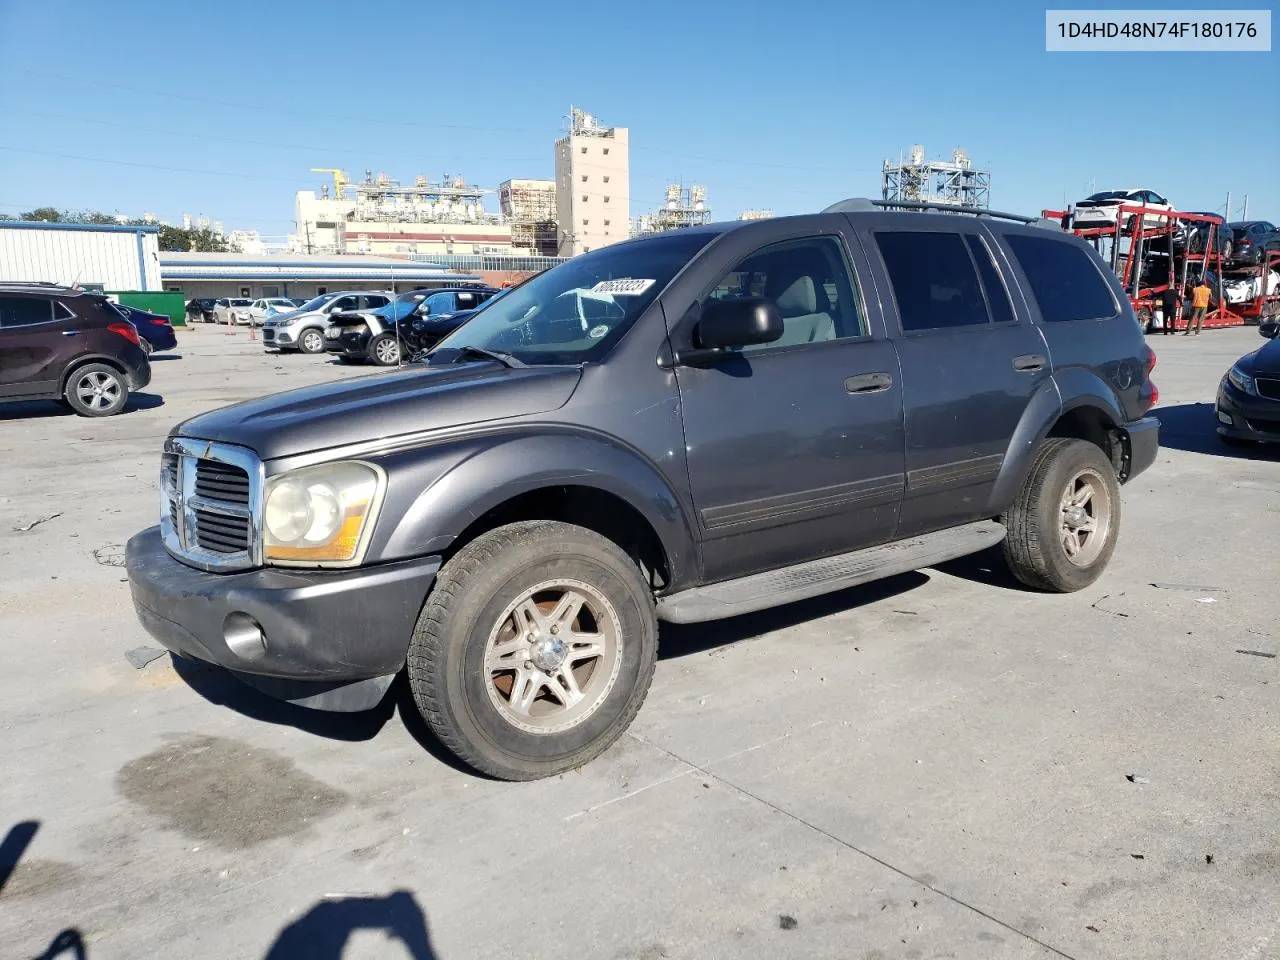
{"x":1242,"y":381}
{"x":321,"y":514}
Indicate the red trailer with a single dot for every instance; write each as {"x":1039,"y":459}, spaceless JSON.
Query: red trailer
{"x":1144,"y":290}
{"x":1265,"y":302}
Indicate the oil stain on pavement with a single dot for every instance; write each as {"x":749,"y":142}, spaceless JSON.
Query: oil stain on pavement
{"x":227,"y":793}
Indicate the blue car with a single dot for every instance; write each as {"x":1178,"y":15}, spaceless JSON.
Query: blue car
{"x":155,"y":328}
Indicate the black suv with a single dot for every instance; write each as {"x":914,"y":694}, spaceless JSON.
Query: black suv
{"x":1252,"y":240}
{"x":57,"y":343}
{"x":682,"y":427}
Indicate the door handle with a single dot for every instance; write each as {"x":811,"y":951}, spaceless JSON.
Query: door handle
{"x":70,"y":333}
{"x":1029,"y":363}
{"x":868,"y":383}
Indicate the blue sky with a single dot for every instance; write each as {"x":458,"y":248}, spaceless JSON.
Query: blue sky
{"x":221,"y":109}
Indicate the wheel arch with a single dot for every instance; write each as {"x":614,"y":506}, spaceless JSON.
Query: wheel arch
{"x":1082,"y":408}
{"x":84,"y":361}
{"x":447,"y":497}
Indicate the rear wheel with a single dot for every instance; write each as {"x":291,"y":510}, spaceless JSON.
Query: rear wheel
{"x":96,"y":390}
{"x":1063,"y":526}
{"x":311,"y":341}
{"x":384,"y":350}
{"x":534,"y":650}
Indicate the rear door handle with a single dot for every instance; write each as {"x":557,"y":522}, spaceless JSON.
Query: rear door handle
{"x":70,"y":333}
{"x":1029,"y":362}
{"x":868,"y":383}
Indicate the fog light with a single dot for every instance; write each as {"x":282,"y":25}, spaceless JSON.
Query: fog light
{"x":1224,"y":418}
{"x":244,"y":637}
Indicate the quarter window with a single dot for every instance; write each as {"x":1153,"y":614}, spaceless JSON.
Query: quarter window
{"x":1064,"y":279}
{"x":24,"y":311}
{"x":809,"y":280}
{"x":934,"y":280}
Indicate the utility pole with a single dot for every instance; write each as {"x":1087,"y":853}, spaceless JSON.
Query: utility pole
{"x":1228,"y":213}
{"x":1244,"y":214}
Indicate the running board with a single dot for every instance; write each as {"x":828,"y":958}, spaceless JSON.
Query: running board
{"x":773,"y":588}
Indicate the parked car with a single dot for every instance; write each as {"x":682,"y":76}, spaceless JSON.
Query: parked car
{"x":59,"y":343}
{"x":303,"y":329}
{"x":384,"y":336}
{"x":1102,"y":209}
{"x":754,"y":414}
{"x":420,"y":333}
{"x":1252,"y":240}
{"x":156,"y":329}
{"x":260,"y":310}
{"x":200,"y":310}
{"x":1192,"y":236}
{"x":1248,"y":405}
{"x":226,"y":309}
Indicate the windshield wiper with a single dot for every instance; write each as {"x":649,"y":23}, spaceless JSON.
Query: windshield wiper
{"x":506,"y":359}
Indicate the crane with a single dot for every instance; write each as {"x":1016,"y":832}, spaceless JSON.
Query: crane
{"x":340,"y":179}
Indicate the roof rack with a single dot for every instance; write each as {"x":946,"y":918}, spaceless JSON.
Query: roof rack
{"x":864,"y":204}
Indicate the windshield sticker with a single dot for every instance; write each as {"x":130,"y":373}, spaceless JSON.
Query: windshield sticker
{"x":627,"y":288}
{"x":597,"y":332}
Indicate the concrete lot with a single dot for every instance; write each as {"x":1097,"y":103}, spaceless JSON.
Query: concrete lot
{"x":942,"y":765}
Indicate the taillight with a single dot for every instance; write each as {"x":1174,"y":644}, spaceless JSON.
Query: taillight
{"x":160,"y":321}
{"x":1151,"y":365}
{"x":125,"y":330}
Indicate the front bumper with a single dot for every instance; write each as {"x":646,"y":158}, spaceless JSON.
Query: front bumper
{"x":349,"y":344}
{"x":1144,"y":444}
{"x":1245,"y":417}
{"x":327,"y":629}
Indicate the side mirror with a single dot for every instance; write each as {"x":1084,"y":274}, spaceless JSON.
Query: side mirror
{"x":1269,"y":328}
{"x":740,"y":322}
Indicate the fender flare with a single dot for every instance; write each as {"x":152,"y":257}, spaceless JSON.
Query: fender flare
{"x":1066,"y":390}
{"x":444,"y":489}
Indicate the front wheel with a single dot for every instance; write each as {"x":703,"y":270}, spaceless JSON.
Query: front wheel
{"x":96,"y":390}
{"x":385,"y":350}
{"x":534,"y":650}
{"x":1063,"y":526}
{"x":311,"y":341}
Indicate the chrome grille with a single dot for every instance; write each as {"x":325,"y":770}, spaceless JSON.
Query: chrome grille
{"x":211,"y":504}
{"x":222,"y":481}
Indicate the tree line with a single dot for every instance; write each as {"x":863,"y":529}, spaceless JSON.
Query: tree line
{"x":196,"y":239}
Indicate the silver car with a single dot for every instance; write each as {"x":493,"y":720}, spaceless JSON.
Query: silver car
{"x":303,"y":329}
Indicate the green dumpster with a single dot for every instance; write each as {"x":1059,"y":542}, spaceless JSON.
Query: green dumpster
{"x":171,"y":303}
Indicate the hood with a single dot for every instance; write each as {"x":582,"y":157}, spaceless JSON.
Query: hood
{"x":383,"y":406}
{"x":1266,"y":360}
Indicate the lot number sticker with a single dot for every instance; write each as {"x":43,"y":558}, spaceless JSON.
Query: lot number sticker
{"x":626,"y":288}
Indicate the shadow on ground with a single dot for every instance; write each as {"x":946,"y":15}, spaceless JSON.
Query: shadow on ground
{"x":323,"y":931}
{"x":1194,"y":427}
{"x":686,"y":639}
{"x":218,"y":686}
{"x":24,"y":409}
{"x":164,"y":356}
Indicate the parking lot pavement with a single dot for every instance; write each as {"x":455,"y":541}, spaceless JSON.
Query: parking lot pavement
{"x":939,"y":765}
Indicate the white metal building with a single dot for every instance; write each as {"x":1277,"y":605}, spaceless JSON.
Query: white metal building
{"x":296,"y":274}
{"x":93,"y":256}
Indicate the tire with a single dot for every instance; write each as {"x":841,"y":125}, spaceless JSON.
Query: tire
{"x":469,"y":704}
{"x":384,"y":350}
{"x":311,"y":340}
{"x":96,"y":390}
{"x":1146,"y":320}
{"x":1039,"y":527}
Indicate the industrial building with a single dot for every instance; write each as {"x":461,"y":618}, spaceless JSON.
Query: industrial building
{"x":593,"y":185}
{"x":383,"y":216}
{"x":529,"y":206}
{"x":296,"y":275}
{"x":682,"y":207}
{"x":955,"y":181}
{"x":97,"y":257}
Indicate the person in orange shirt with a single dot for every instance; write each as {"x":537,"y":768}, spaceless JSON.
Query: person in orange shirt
{"x":1199,"y":304}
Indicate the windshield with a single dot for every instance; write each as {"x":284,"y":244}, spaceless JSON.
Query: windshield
{"x":577,"y":311}
{"x":317,"y":303}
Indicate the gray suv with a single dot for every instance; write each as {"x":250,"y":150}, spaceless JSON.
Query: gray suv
{"x":303,"y":329}
{"x":684,"y":427}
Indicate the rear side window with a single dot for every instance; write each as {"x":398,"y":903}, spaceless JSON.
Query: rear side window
{"x":1064,"y":279}
{"x":24,"y":311}
{"x":934,"y":280}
